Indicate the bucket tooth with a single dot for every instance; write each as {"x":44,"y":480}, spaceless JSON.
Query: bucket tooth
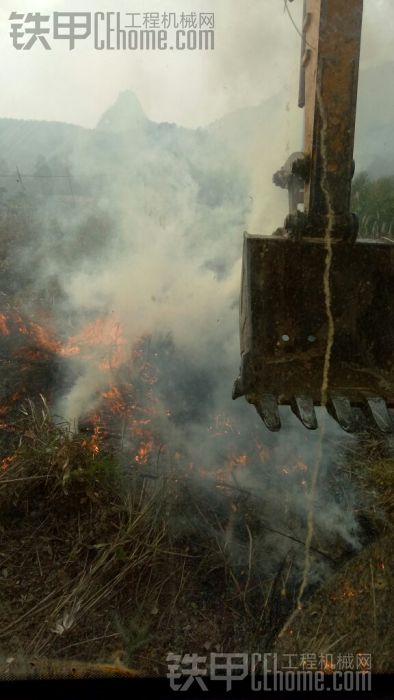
{"x":237,"y":388}
{"x":341,"y":410}
{"x":304,"y":409}
{"x":268,"y":410}
{"x":378,"y":411}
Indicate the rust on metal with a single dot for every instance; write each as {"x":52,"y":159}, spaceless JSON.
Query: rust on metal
{"x":284,"y":325}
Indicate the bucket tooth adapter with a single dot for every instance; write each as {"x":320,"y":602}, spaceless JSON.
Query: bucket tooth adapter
{"x":317,"y":304}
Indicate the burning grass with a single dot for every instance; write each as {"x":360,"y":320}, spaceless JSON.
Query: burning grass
{"x":120,"y":566}
{"x":71,"y":544}
{"x":97,"y":564}
{"x":351,"y":613}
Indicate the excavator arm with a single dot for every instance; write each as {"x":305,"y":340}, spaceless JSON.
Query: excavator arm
{"x":317,"y":305}
{"x":330,"y":62}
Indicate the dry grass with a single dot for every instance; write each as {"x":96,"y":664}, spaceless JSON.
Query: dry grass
{"x":82,"y":544}
{"x":352,"y":612}
{"x":118,"y":569}
{"x":96,"y":564}
{"x":370,"y":467}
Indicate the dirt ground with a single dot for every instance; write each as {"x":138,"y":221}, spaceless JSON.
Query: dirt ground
{"x":103,"y":577}
{"x":352,"y":613}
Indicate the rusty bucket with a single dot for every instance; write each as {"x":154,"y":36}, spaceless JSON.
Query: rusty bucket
{"x":317,"y":328}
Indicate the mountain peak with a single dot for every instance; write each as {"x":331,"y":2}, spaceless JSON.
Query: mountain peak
{"x":126,"y":114}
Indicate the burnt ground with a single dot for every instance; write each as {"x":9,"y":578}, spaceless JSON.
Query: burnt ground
{"x":352,"y":613}
{"x":101,"y":573}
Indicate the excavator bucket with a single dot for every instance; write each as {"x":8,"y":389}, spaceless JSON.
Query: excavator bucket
{"x":317,"y":327}
{"x":317,"y":305}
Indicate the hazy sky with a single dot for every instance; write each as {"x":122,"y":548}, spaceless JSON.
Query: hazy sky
{"x":256,"y":53}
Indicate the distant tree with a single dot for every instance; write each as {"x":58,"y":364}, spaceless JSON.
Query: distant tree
{"x":373,"y":202}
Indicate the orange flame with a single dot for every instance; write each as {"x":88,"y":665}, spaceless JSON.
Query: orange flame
{"x":3,"y":325}
{"x":115,"y":400}
{"x":144,"y":452}
{"x":348,"y":591}
{"x":93,"y":442}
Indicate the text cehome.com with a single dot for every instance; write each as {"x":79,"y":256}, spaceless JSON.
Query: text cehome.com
{"x":114,"y":31}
